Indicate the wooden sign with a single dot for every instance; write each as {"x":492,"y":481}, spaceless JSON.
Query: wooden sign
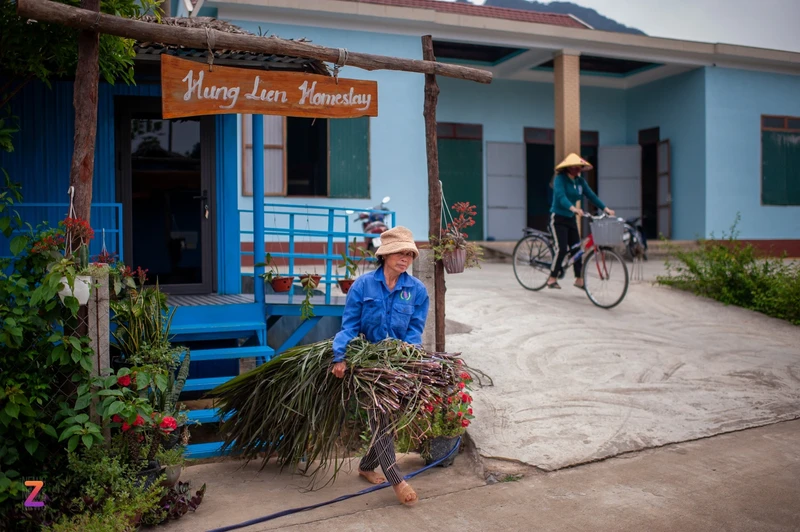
{"x":189,"y":88}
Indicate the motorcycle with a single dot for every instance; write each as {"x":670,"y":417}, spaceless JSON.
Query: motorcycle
{"x":633,"y":238}
{"x":372,"y":223}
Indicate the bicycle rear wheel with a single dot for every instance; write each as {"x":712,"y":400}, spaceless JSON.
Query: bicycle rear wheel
{"x":605,"y":278}
{"x":532,"y":257}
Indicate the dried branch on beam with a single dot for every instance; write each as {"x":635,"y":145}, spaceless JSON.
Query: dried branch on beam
{"x":47,"y":11}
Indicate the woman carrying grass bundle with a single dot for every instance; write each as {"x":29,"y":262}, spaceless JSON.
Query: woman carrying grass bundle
{"x":384,"y":303}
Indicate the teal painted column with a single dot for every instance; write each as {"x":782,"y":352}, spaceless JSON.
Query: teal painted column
{"x":258,"y":205}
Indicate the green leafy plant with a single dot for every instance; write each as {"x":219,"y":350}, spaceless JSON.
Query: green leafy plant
{"x":735,"y":274}
{"x":41,"y":362}
{"x":272,"y":273}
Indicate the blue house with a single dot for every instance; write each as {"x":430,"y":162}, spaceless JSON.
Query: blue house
{"x":687,"y":134}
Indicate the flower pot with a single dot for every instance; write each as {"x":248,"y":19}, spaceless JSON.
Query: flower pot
{"x":345,"y":284}
{"x":83,"y":284}
{"x":149,"y":474}
{"x":314,"y":278}
{"x":174,"y":437}
{"x":171,"y":475}
{"x":454,"y":260}
{"x":439,"y":447}
{"x":282,"y":284}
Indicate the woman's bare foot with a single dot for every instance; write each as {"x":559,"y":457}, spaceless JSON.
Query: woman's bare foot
{"x":405,"y":493}
{"x":372,"y":477}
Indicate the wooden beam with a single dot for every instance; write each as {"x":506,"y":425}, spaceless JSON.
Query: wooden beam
{"x":84,"y":99}
{"x":434,"y":189}
{"x":56,"y":12}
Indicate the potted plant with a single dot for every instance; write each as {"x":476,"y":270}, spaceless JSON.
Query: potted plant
{"x":449,"y":418}
{"x":350,"y":269}
{"x":315,"y":280}
{"x":172,"y":461}
{"x":452,"y":247}
{"x":279,"y":283}
{"x":76,"y":277}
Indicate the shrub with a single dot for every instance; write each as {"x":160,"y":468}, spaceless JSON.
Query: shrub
{"x":734,"y":273}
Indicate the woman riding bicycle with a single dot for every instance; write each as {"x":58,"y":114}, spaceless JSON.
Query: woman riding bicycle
{"x":568,"y":187}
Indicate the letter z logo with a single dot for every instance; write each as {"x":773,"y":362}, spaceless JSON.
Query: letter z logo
{"x":37,"y":487}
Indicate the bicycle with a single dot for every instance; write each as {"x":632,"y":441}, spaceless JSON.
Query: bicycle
{"x":605,"y":272}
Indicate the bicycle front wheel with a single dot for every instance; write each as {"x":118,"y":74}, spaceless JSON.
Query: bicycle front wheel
{"x":605,"y":277}
{"x":533,"y":256}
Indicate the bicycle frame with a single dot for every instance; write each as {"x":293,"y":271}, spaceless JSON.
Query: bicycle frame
{"x":577,"y":251}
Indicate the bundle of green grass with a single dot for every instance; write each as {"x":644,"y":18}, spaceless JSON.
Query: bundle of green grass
{"x":292,"y":408}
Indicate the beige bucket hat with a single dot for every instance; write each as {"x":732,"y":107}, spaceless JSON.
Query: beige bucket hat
{"x":396,"y":240}
{"x":574,"y":160}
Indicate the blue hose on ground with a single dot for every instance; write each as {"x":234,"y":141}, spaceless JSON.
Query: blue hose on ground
{"x":337,"y":499}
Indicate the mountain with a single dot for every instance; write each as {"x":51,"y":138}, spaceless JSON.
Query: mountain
{"x":589,"y":16}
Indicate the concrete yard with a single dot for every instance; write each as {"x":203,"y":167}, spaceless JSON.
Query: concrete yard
{"x":574,"y":383}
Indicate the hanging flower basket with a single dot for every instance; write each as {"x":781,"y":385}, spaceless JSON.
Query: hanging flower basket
{"x":454,"y":260}
{"x":83,"y":284}
{"x":314,"y":279}
{"x":345,"y":284}
{"x":282,"y":284}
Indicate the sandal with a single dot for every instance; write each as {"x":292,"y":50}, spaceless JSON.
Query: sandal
{"x":372,"y":477}
{"x":405,"y":491}
{"x":580,"y":286}
{"x":553,"y":285}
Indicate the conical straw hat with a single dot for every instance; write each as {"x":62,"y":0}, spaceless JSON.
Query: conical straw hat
{"x":574,"y":160}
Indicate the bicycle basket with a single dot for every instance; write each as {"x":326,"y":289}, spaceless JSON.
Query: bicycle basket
{"x":607,"y":232}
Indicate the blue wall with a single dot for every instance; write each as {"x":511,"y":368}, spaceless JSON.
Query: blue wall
{"x":398,"y":165}
{"x":736,"y":99}
{"x":505,"y":108}
{"x":677,"y":106}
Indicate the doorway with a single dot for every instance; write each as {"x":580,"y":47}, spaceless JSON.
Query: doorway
{"x":165,"y":185}
{"x":648,"y":140}
{"x":461,"y":169}
{"x":540,"y":153}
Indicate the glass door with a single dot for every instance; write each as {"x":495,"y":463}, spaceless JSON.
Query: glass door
{"x":165,"y":187}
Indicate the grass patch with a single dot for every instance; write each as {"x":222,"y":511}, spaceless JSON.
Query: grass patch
{"x":735,"y":274}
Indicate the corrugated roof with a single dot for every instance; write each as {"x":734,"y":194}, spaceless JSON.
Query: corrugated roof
{"x":269,"y":61}
{"x":517,"y":15}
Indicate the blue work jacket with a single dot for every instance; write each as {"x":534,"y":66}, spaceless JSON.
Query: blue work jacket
{"x":372,"y":310}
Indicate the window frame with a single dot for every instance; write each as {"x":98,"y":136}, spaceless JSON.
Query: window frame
{"x":784,"y":129}
{"x":246,"y":146}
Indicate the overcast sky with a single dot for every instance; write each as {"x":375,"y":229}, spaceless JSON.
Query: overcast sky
{"x":761,"y":23}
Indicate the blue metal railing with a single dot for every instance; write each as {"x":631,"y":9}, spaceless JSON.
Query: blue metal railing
{"x":104,"y":217}
{"x":290,"y":225}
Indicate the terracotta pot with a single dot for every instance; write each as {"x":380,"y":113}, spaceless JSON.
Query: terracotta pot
{"x":282,"y":284}
{"x":82,"y":285}
{"x":314,"y":278}
{"x":345,"y":284}
{"x":454,"y":260}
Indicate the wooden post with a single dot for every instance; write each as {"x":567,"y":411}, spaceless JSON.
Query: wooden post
{"x":84,"y":98}
{"x":434,"y":188}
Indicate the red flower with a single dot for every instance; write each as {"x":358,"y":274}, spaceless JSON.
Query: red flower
{"x":429,"y":408}
{"x":139,"y":421}
{"x":465,"y":423}
{"x":459,"y":362}
{"x":168,"y":424}
{"x":125,"y":426}
{"x":116,"y":419}
{"x":449,"y":400}
{"x":461,"y":385}
{"x":469,"y":411}
{"x":125,"y":380}
{"x":465,"y":376}
{"x":465,"y":398}
{"x":460,"y":414}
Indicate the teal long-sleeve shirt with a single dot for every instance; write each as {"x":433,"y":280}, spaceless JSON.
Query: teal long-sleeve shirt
{"x":566,"y":192}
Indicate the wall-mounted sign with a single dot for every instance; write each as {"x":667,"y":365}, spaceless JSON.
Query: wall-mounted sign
{"x":189,"y":88}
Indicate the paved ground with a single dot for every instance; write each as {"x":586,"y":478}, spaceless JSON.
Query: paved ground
{"x":574,"y":383}
{"x":745,"y":481}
